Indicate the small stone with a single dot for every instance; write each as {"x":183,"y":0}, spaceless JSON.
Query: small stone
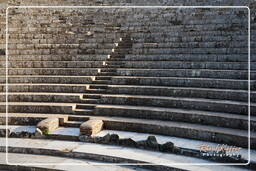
{"x":48,"y":125}
{"x":98,"y":139}
{"x":177,"y":150}
{"x":85,"y":138}
{"x":20,"y":134}
{"x":152,"y":139}
{"x":167,"y":147}
{"x":114,"y":139}
{"x":127,"y":142}
{"x":106,"y":139}
{"x":91,"y":127}
{"x":152,"y":143}
{"x":38,"y":133}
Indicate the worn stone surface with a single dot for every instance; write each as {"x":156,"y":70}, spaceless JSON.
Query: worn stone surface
{"x":48,"y":125}
{"x":91,"y":127}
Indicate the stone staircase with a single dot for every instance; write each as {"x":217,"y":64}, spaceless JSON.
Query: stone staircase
{"x":100,"y":83}
{"x":180,"y":73}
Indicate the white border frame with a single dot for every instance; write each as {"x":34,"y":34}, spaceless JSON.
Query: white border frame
{"x":120,"y":164}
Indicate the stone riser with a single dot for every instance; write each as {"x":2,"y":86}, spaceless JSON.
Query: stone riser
{"x":63,"y":41}
{"x":134,"y":57}
{"x":45,"y":88}
{"x":190,"y":65}
{"x":225,"y":74}
{"x":61,"y":98}
{"x":154,"y":51}
{"x":160,"y":91}
{"x":197,"y":117}
{"x":207,"y":104}
{"x":157,"y":91}
{"x":183,"y":92}
{"x":53,"y":64}
{"x":54,"y":58}
{"x":184,"y":82}
{"x":53,"y":79}
{"x":179,"y":132}
{"x":26,"y":108}
{"x":26,"y":33}
{"x":140,"y":73}
{"x":13,"y":46}
{"x":139,"y":39}
{"x":53,"y":71}
{"x":193,"y":104}
{"x":114,"y":23}
{"x":131,"y":64}
{"x":191,"y":57}
{"x":58,"y":51}
{"x":184,"y":51}
{"x":163,"y":18}
{"x":239,"y":44}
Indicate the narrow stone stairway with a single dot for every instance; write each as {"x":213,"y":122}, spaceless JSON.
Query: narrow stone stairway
{"x":100,"y":83}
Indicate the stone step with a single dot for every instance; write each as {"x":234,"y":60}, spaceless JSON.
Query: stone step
{"x":103,"y":78}
{"x":121,"y":50}
{"x":107,"y":73}
{"x":85,"y":106}
{"x":219,"y":119}
{"x":191,"y":45}
{"x":113,"y":58}
{"x":101,"y":81}
{"x":52,"y":64}
{"x":199,"y":73}
{"x":190,"y":57}
{"x":114,"y":66}
{"x":61,"y":88}
{"x":216,"y":29}
{"x":146,"y":63}
{"x":43,"y":97}
{"x":189,"y":65}
{"x":114,"y":62}
{"x":205,"y":51}
{"x":185,"y":33}
{"x":108,"y":70}
{"x":95,"y":91}
{"x":180,"y":129}
{"x":184,"y":82}
{"x":103,"y":86}
{"x":136,"y":57}
{"x":40,"y":58}
{"x":93,"y":96}
{"x":209,"y":93}
{"x":83,"y":112}
{"x":90,"y":101}
{"x":29,"y":107}
{"x":190,"y":73}
{"x":61,"y":79}
{"x":180,"y":102}
{"x":171,"y":38}
{"x":53,"y":71}
{"x":117,"y":55}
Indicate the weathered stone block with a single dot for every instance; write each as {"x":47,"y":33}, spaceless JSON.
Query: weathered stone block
{"x":48,"y":125}
{"x":91,"y":127}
